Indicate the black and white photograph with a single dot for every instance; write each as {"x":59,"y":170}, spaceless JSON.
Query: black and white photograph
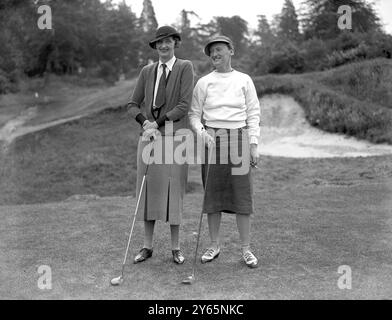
{"x":205,"y":151}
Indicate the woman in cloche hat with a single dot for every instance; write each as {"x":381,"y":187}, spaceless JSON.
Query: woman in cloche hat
{"x":160,"y":103}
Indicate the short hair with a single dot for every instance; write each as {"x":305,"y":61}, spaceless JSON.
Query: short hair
{"x":177,"y":41}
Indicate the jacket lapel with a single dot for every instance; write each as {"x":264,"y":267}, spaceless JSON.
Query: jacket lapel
{"x":172,"y":77}
{"x":151,"y":81}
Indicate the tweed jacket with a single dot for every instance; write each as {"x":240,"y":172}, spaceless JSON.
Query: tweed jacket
{"x":179,"y":90}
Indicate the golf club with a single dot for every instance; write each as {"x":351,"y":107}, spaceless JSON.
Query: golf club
{"x":191,"y":278}
{"x":119,"y":280}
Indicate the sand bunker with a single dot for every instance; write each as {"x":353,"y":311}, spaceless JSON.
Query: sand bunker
{"x":286,"y":133}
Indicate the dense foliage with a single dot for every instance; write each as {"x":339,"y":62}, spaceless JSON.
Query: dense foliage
{"x":94,"y":38}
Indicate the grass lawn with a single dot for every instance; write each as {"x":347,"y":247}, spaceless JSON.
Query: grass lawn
{"x":92,"y":155}
{"x":312,"y":217}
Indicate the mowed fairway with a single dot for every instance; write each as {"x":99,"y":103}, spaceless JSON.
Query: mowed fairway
{"x":312,"y":217}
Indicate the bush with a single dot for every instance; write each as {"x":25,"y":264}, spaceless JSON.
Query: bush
{"x":286,"y":58}
{"x":380,"y":45}
{"x":366,"y":81}
{"x":259,"y":60}
{"x":4,"y":84}
{"x":314,"y":54}
{"x":338,"y":58}
{"x":345,"y":41}
{"x":108,"y":72}
{"x":351,"y":47}
{"x":8,"y":82}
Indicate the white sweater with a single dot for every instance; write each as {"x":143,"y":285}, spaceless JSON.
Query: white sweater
{"x":226,"y":100}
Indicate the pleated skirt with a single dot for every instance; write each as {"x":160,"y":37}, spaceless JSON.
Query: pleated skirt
{"x":226,"y":174}
{"x":164,"y":184}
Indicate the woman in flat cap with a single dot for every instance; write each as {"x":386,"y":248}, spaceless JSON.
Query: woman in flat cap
{"x":160,"y":104}
{"x":225,"y":112}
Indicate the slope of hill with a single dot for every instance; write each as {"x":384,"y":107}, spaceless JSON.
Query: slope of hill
{"x":61,"y":100}
{"x":369,"y":81}
{"x":353,"y":99}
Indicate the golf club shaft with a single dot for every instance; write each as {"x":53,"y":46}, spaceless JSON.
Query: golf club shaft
{"x":136,"y":210}
{"x":201,"y":214}
{"x":197,"y":244}
{"x":134,"y":219}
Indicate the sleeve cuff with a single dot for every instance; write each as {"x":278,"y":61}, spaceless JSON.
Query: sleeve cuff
{"x":161,"y":120}
{"x":140,"y":118}
{"x":253,"y":140}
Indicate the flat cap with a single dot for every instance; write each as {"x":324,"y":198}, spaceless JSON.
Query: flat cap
{"x":216,"y":39}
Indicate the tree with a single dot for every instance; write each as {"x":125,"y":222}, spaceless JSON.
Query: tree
{"x":17,"y":28}
{"x":8,"y":4}
{"x":264,"y":32}
{"x":148,"y":24}
{"x":286,"y":58}
{"x":85,"y":33}
{"x":148,"y":21}
{"x":191,"y":42}
{"x":321,"y":18}
{"x":236,"y":28}
{"x":288,"y":22}
{"x":119,"y":38}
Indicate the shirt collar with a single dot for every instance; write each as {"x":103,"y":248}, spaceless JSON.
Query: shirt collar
{"x":169,"y":64}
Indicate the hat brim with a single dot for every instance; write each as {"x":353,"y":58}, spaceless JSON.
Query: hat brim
{"x":174,"y":34}
{"x":209,"y":44}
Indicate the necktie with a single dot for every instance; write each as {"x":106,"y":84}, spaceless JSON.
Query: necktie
{"x":161,"y":93}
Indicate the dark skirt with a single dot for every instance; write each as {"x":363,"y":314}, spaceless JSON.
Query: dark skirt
{"x":227,"y":179}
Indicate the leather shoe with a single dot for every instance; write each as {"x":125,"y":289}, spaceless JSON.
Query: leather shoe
{"x":178,"y":257}
{"x":143,"y":255}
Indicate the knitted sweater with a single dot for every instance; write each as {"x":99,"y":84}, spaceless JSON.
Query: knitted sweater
{"x":226,"y":100}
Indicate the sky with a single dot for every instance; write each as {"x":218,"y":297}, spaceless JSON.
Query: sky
{"x":168,"y":11}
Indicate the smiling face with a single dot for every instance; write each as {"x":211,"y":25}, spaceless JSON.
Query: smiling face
{"x":165,"y":48}
{"x":220,"y":55}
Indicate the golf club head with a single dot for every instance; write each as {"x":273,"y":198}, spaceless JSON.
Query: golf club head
{"x":117,"y":281}
{"x":189,"y":280}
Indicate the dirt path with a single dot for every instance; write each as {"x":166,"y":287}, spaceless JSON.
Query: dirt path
{"x":34,"y":119}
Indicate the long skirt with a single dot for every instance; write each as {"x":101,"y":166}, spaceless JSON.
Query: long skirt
{"x":165,"y":181}
{"x":226,"y":173}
